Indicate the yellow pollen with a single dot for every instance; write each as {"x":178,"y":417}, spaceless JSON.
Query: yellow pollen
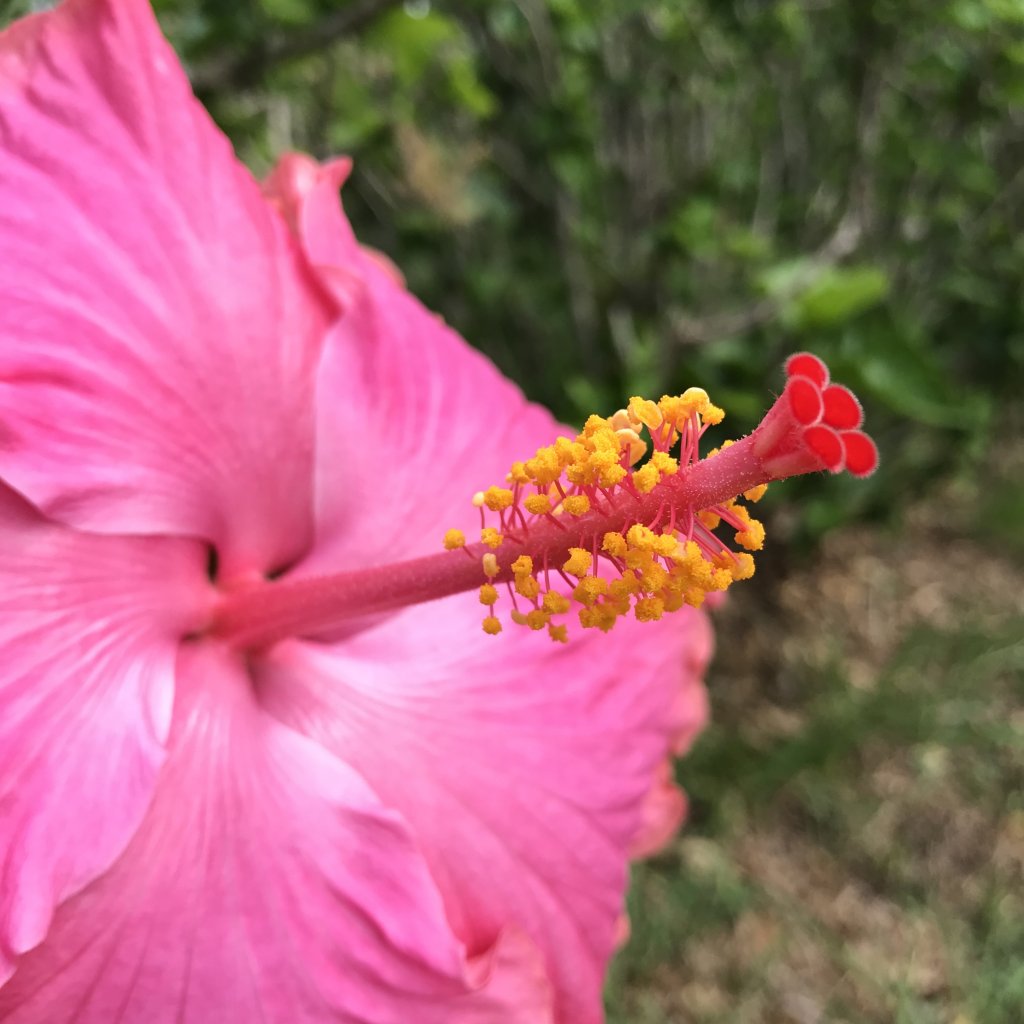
{"x":614,"y":544}
{"x":665,"y":463}
{"x":743,"y":568}
{"x":708,"y":519}
{"x":646,"y":412}
{"x":622,"y":420}
{"x":611,"y":475}
{"x":518,"y":474}
{"x":578,"y":563}
{"x":649,"y":609}
{"x":522,"y":566}
{"x":633,"y":444}
{"x":538,"y":618}
{"x":589,"y":589}
{"x":646,"y":478}
{"x":538,"y":504}
{"x":577,"y":505}
{"x":498,"y":498}
{"x":560,"y":634}
{"x":556,"y":603}
{"x":454,"y":539}
{"x":651,"y":570}
{"x":490,"y":536}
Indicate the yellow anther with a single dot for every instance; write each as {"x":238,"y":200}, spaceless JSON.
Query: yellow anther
{"x":611,"y":475}
{"x":517,"y":617}
{"x":527,"y":586}
{"x":454,"y":539}
{"x":538,"y":504}
{"x":631,"y":443}
{"x":654,"y":576}
{"x":491,"y":537}
{"x":673,"y":409}
{"x":614,"y":544}
{"x":544,"y":468}
{"x":578,"y":563}
{"x":649,"y":609}
{"x":665,"y":463}
{"x":694,"y":401}
{"x":518,"y":474}
{"x":498,"y":498}
{"x":478,"y":499}
{"x":752,"y":538}
{"x":589,"y":589}
{"x":713,"y":415}
{"x":626,"y":585}
{"x":594,"y":425}
{"x":492,"y":626}
{"x":646,"y":478}
{"x":743,"y":567}
{"x":599,"y":617}
{"x":666,"y":545}
{"x":538,"y":618}
{"x":556,"y":603}
{"x":721,"y":579}
{"x":646,"y":411}
{"x":490,"y":565}
{"x":638,"y":558}
{"x":641,"y":537}
{"x":606,"y":442}
{"x":582,"y":473}
{"x":560,"y":634}
{"x":522,"y":566}
{"x":488,"y":594}
{"x":622,"y":420}
{"x":577,"y":504}
{"x":755,"y":494}
{"x":708,"y":519}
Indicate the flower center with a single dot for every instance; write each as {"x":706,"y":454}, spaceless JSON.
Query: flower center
{"x":595,"y":524}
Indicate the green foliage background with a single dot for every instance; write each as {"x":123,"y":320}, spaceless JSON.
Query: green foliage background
{"x":622,"y":196}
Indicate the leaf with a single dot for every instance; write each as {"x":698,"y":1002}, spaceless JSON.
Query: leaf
{"x":839,"y":294}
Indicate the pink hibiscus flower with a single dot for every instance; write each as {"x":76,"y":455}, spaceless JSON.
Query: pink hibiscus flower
{"x":243,"y":777}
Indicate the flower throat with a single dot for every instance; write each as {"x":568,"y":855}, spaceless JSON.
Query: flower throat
{"x":602,"y":525}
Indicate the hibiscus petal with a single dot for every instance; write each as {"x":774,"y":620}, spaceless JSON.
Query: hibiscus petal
{"x":267,"y":883}
{"x":160,"y":330}
{"x":89,"y":628}
{"x":523,"y":767}
{"x":411,"y":420}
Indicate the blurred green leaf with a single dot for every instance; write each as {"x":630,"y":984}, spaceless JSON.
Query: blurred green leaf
{"x":837,"y":295}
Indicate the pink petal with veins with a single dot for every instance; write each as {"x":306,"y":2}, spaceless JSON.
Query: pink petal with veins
{"x":411,"y":420}
{"x":267,"y":883}
{"x":89,"y":628}
{"x":521,"y":767}
{"x":161,"y":333}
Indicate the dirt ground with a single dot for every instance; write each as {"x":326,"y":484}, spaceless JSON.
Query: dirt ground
{"x":855,"y":851}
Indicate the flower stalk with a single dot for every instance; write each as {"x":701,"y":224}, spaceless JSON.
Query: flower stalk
{"x":813,"y":426}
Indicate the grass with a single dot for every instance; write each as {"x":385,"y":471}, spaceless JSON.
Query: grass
{"x":855,"y":850}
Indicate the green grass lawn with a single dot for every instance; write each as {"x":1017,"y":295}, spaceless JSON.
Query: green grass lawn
{"x":855,"y":850}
